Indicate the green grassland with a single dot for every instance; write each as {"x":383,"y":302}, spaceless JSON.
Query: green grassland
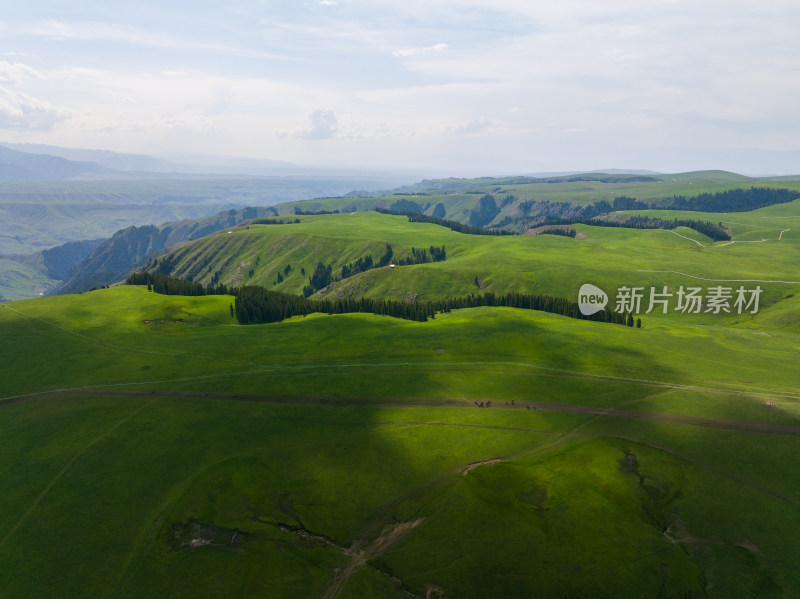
{"x":41,"y":215}
{"x":348,"y":458}
{"x":543,"y":264}
{"x":21,"y":279}
{"x":458,"y":201}
{"x":151,"y":446}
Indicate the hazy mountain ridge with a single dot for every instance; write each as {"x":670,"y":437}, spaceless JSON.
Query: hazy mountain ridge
{"x":490,"y":202}
{"x":22,"y":166}
{"x":112,"y":259}
{"x":62,"y":259}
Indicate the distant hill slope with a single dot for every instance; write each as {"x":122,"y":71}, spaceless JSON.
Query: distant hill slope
{"x":62,"y":259}
{"x":521,"y":202}
{"x":517,"y":206}
{"x":23,"y":166}
{"x":112,"y":259}
{"x":286,"y":257}
{"x":104,"y":158}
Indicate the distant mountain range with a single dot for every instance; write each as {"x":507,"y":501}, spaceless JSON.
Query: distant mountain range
{"x":109,"y":160}
{"x":35,"y":162}
{"x":24,"y":166}
{"x":39,"y":162}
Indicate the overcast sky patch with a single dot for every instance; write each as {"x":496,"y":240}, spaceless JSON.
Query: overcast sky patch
{"x":564,"y":85}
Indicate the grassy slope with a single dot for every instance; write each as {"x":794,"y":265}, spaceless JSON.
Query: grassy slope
{"x":459,"y":203}
{"x":30,"y":227}
{"x":337,"y":440}
{"x":347,"y":425}
{"x":547,"y":264}
{"x":19,"y":280}
{"x":84,"y":210}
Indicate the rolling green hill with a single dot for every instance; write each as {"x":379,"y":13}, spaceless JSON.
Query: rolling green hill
{"x":154,"y":447}
{"x":460,"y":196}
{"x":43,"y":214}
{"x":253,"y":254}
{"x":345,"y":456}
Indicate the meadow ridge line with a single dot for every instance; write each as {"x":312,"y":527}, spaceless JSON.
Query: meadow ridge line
{"x":61,"y":473}
{"x":468,"y":403}
{"x":272,"y":368}
{"x":288,"y":370}
{"x":77,"y":390}
{"x":128,"y":348}
{"x":675,"y":272}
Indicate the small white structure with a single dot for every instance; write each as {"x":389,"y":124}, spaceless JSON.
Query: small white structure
{"x":391,"y":266}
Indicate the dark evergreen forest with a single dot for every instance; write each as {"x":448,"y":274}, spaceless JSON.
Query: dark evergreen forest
{"x":256,"y":305}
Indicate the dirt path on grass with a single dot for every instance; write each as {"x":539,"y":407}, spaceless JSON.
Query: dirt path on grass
{"x":675,"y":272}
{"x":700,"y":421}
{"x":361,"y":552}
{"x":780,"y":237}
{"x":470,"y":467}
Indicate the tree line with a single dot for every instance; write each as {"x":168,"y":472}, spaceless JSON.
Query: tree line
{"x":323,"y":274}
{"x":319,"y":279}
{"x":423,"y":256}
{"x":259,"y":305}
{"x":716,"y":232}
{"x":256,"y":304}
{"x":732,"y":200}
{"x":166,"y":285}
{"x":418,"y":217}
{"x":565,"y":231}
{"x":301,"y":212}
{"x":276,"y":221}
{"x":367,"y":263}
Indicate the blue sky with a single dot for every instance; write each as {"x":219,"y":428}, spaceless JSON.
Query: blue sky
{"x":469,"y":87}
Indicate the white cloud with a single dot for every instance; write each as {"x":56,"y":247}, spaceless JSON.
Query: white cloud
{"x":476,"y":126}
{"x":20,"y":111}
{"x":177,"y":40}
{"x":323,"y":125}
{"x":514,"y":75}
{"x":414,"y":51}
{"x":16,"y":72}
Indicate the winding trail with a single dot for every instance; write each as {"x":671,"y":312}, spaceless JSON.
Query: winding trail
{"x":313,"y":369}
{"x":675,"y":272}
{"x":460,"y":403}
{"x":684,"y":236}
{"x":722,"y":245}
